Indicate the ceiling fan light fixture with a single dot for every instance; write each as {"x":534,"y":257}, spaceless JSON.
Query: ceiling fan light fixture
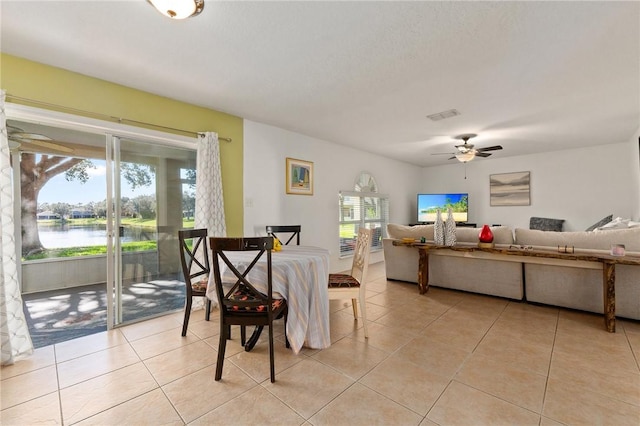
{"x":178,"y":9}
{"x":465,"y":157}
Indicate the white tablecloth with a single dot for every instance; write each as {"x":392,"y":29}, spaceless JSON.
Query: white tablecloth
{"x":300,"y":275}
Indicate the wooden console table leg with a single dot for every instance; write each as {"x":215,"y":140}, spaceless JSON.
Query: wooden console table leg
{"x":609,"y":293}
{"x":423,"y":271}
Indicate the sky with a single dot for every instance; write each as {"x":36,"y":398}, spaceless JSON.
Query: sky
{"x":59,"y":190}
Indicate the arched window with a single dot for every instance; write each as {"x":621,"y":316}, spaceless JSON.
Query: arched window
{"x":362,"y":207}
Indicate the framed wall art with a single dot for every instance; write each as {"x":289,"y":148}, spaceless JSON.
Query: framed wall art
{"x":510,"y":189}
{"x":299,"y":177}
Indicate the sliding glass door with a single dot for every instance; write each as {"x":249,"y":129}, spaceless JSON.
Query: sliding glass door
{"x":153,"y":198}
{"x":99,"y":216}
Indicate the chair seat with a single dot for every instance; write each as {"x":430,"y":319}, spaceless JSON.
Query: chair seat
{"x":243,"y":296}
{"x":342,"y":280}
{"x":201,"y":286}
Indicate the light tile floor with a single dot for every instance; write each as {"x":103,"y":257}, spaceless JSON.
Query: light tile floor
{"x":445,"y":358}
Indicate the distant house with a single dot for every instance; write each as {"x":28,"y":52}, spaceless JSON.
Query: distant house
{"x":48,"y":216}
{"x":81,"y":214}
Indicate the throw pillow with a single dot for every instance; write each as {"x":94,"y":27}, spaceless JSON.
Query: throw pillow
{"x":546,"y":224}
{"x":617,"y":223}
{"x":600,"y":223}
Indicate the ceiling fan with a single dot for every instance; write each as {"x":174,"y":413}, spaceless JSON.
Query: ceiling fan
{"x":467,"y":152}
{"x":18,"y":138}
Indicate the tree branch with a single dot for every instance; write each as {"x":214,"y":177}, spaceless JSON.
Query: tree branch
{"x":60,"y":168}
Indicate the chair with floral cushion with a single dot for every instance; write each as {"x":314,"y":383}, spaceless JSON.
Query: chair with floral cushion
{"x":195,"y":269}
{"x":294,"y":230}
{"x":353,"y":286}
{"x":241,"y":303}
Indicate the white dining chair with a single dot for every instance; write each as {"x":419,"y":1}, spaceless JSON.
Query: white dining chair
{"x":353,"y":286}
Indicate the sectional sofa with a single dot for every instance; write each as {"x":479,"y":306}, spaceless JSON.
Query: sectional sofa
{"x":556,"y":285}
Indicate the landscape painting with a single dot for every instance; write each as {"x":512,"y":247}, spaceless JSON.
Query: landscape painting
{"x":510,"y":189}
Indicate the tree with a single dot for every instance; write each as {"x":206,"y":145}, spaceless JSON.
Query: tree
{"x":38,"y":169}
{"x":145,"y":206}
{"x":34,"y":174}
{"x":100,"y":208}
{"x":63,"y":209}
{"x":127,"y":207}
{"x":189,"y":203}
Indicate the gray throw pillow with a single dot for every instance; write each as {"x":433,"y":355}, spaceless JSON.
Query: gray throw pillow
{"x":546,"y":224}
{"x":600,"y":223}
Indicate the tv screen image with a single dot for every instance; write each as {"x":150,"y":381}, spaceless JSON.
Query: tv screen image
{"x":428,"y":205}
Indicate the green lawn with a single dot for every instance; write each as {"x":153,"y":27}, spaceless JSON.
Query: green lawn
{"x":96,"y":250}
{"x":347,"y":231}
{"x":91,"y":250}
{"x":125,"y":221}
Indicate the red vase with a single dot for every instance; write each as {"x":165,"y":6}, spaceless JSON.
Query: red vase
{"x":486,"y":236}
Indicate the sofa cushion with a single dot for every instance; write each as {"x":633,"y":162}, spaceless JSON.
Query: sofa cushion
{"x":398,"y":232}
{"x":546,"y":224}
{"x":600,"y":223}
{"x":580,"y":240}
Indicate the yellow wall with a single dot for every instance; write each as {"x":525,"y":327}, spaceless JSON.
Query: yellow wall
{"x":32,"y":80}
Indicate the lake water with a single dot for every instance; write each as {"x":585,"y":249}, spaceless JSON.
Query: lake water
{"x":64,"y":235}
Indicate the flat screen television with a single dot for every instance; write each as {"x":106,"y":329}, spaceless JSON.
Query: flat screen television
{"x":428,"y":205}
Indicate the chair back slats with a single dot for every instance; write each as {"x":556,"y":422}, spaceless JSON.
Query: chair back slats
{"x":194,"y":258}
{"x":294,"y":230}
{"x":361,"y":255}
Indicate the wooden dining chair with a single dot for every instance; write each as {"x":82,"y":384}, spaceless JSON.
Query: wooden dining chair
{"x":241,"y":303}
{"x":294,"y":230}
{"x":353,"y":286}
{"x":194,"y":258}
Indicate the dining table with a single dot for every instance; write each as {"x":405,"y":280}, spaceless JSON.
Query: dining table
{"x":300,"y":275}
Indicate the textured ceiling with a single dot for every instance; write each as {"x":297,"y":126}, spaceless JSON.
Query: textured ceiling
{"x":530,"y":76}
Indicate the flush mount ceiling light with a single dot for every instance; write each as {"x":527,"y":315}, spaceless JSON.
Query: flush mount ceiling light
{"x":178,"y":9}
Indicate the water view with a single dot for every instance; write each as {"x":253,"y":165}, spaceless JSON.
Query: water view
{"x":65,"y":235}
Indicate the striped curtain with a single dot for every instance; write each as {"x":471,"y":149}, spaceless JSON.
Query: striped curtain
{"x":14,"y":332}
{"x":209,"y":212}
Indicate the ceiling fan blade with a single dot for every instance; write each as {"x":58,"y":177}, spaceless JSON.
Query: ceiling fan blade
{"x":24,"y":136}
{"x":443,"y":153}
{"x":452,"y":158}
{"x":13,"y":129}
{"x":482,"y":154}
{"x":490,"y":148}
{"x":52,"y":145}
{"x":19,"y":137}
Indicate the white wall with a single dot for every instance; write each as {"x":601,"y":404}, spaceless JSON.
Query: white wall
{"x":580,"y":186}
{"x":335,"y":168}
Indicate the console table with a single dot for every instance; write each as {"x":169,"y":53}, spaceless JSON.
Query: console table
{"x":604,"y":262}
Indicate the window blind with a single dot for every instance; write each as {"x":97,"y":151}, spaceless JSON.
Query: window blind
{"x":362,"y":209}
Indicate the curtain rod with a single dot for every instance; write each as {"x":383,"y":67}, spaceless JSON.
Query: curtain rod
{"x":108,"y":117}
